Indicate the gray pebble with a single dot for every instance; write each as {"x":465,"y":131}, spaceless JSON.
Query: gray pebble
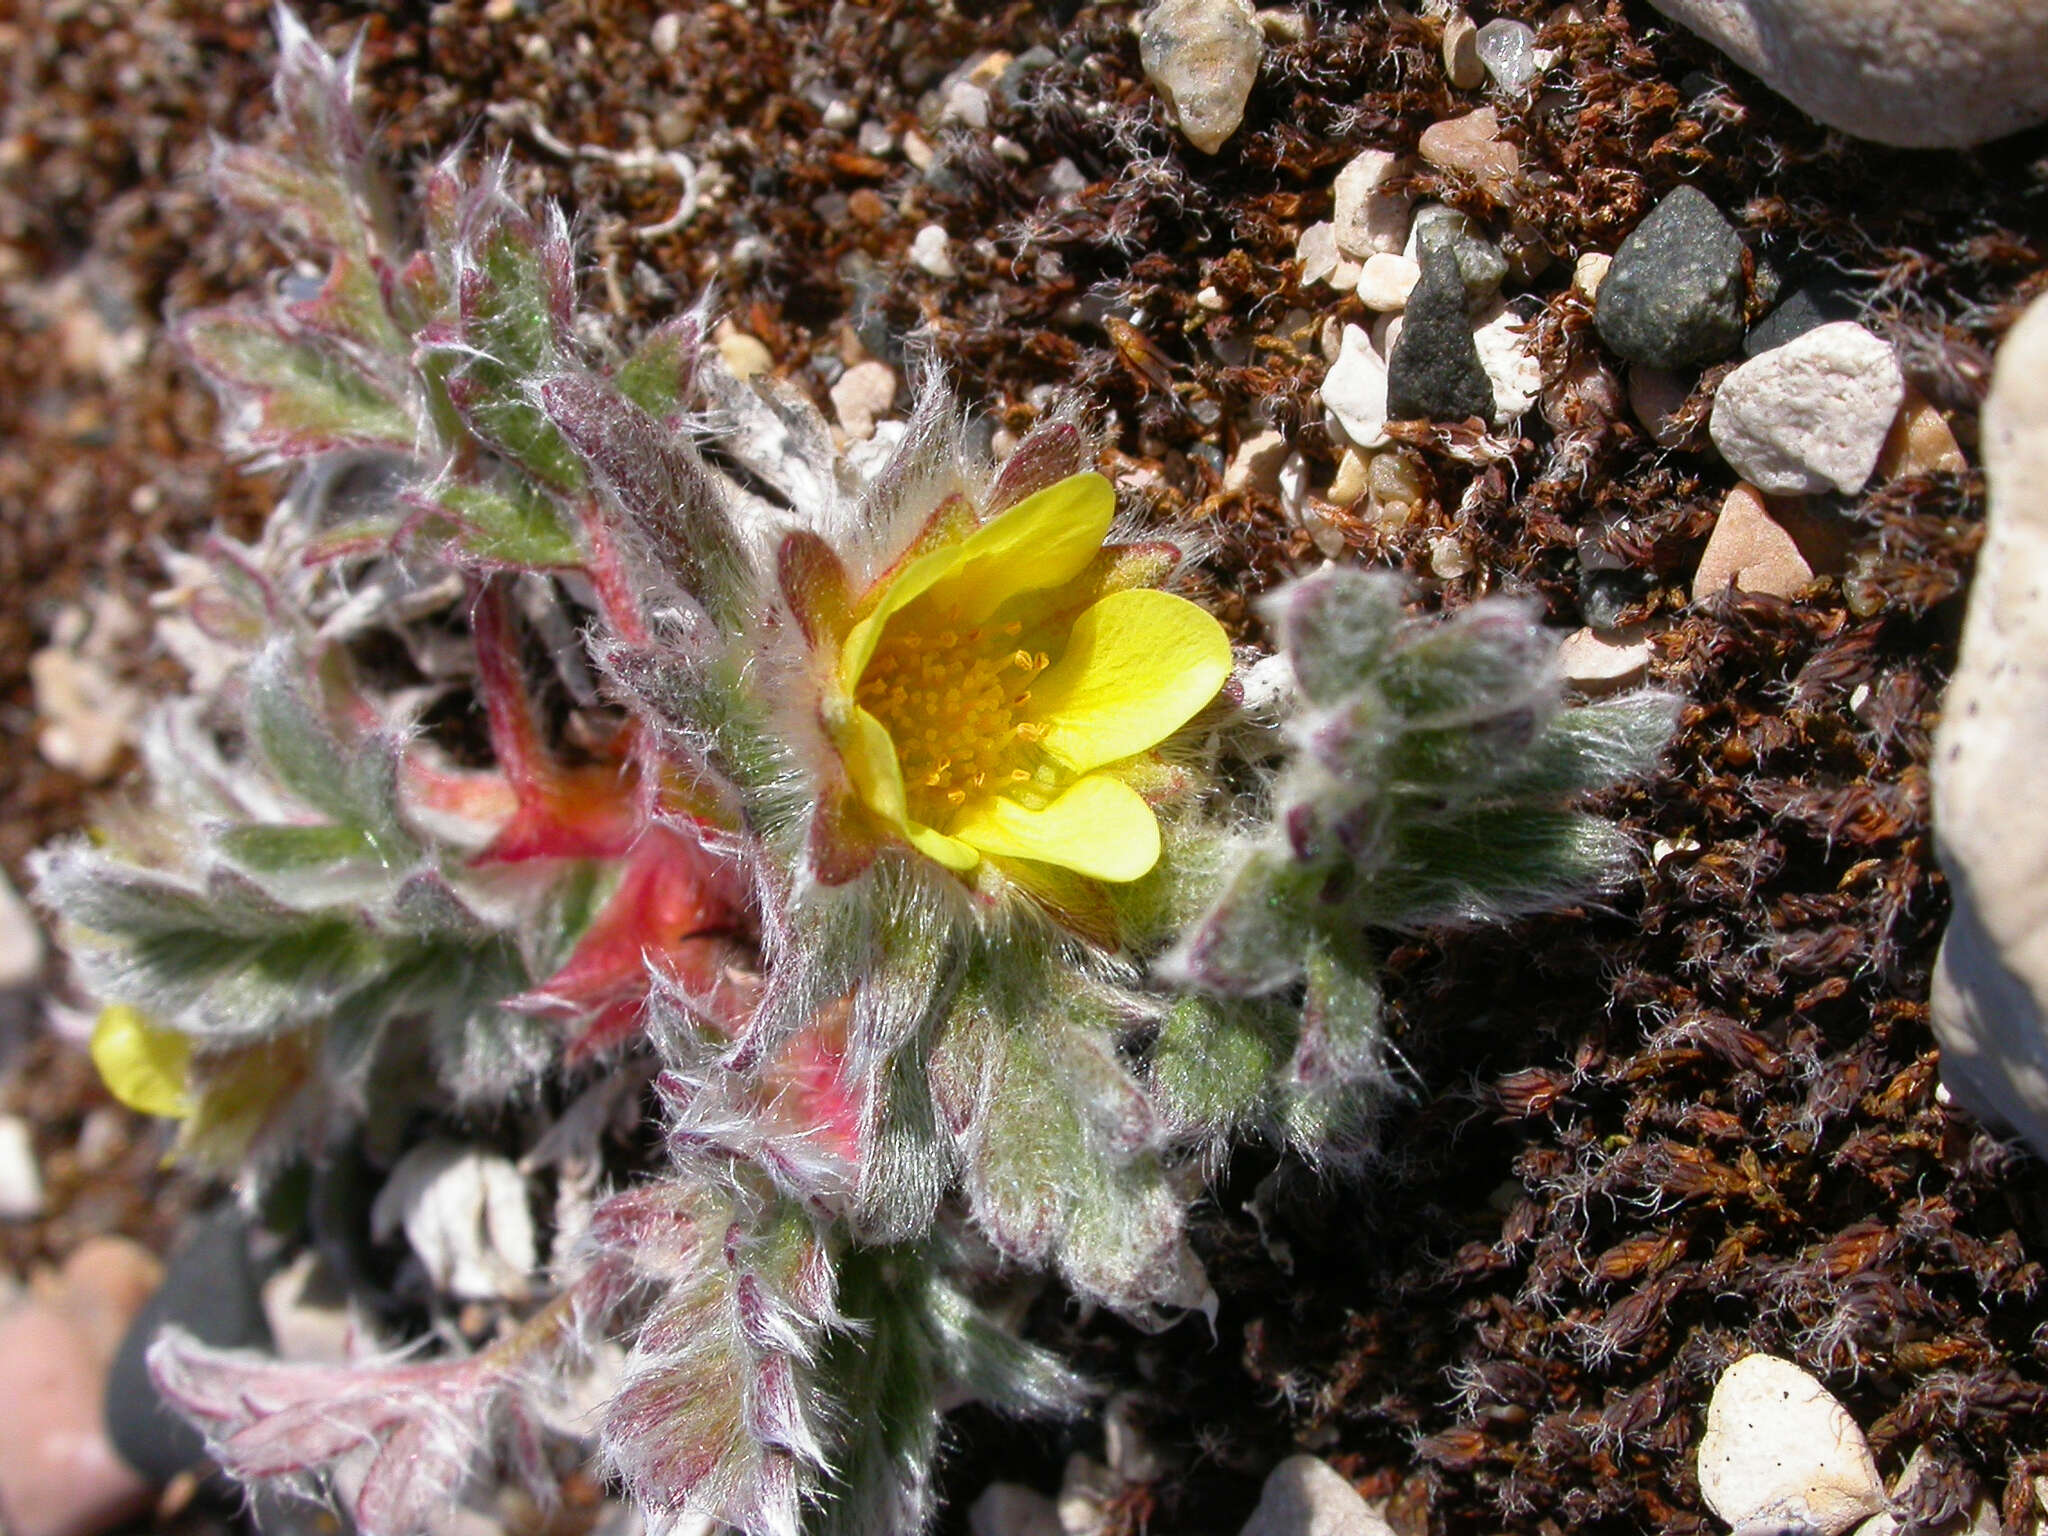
{"x":1508,"y":50}
{"x":1480,"y":262}
{"x":1673,"y":297}
{"x":211,"y":1289}
{"x":1014,"y":82}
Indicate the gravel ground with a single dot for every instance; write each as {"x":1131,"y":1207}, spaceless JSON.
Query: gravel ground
{"x":1642,"y":1138}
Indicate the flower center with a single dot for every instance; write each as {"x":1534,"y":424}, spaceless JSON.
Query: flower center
{"x":949,"y":696}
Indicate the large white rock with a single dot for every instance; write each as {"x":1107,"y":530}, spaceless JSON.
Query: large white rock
{"x":1304,"y":1496}
{"x":1990,"y":818}
{"x":1778,"y":1447}
{"x":1932,"y":73}
{"x":1203,"y":56}
{"x":1809,"y":415}
{"x":1355,"y":390}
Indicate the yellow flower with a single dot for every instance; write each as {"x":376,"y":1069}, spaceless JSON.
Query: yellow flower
{"x":143,"y":1066}
{"x":989,"y":690}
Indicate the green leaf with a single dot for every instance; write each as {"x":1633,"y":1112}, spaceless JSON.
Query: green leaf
{"x":1211,"y":1062}
{"x":509,"y":339}
{"x":275,"y":849}
{"x":1335,"y":628}
{"x":657,"y":374}
{"x":307,"y":396}
{"x":509,"y":522}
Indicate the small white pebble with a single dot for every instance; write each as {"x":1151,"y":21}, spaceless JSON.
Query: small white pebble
{"x":1587,"y":272}
{"x":1386,"y":280}
{"x":1256,"y":464}
{"x":864,"y":392}
{"x":1461,"y":53}
{"x":1366,"y":216}
{"x":1597,"y":663}
{"x":1316,"y":250}
{"x":966,"y":103}
{"x":1449,"y":559}
{"x":1355,"y":391}
{"x":1507,"y":351}
{"x":930,"y":251}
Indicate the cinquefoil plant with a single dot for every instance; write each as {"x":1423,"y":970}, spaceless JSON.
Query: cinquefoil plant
{"x":917,"y":823}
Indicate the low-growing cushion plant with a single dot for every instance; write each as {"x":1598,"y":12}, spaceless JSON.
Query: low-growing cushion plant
{"x":962,"y":888}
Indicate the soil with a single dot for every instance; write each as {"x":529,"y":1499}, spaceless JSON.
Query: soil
{"x":1639,"y":1139}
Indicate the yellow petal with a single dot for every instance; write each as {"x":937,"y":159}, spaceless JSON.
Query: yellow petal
{"x":949,"y":851}
{"x":1047,"y":539}
{"x":1099,"y":828}
{"x":143,"y":1066}
{"x":877,"y":775}
{"x":1136,"y":669}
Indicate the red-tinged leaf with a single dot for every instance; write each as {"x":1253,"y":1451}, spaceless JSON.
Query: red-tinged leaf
{"x":297,"y":1439}
{"x":483,"y":799}
{"x":815,"y":586}
{"x":295,"y":397}
{"x":440,"y":205}
{"x":679,"y":910}
{"x":417,"y":1472}
{"x":590,"y":812}
{"x":806,"y":1083}
{"x":417,"y":291}
{"x":1047,"y":455}
{"x":284,"y":193}
{"x":315,"y":93}
{"x":663,"y":489}
{"x":606,"y":569}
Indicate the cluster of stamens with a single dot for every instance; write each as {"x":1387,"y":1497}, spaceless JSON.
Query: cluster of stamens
{"x":949,"y":697}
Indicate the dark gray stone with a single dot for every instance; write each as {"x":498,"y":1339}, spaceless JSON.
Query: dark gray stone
{"x":212,"y":1290}
{"x":1435,"y":373}
{"x":1807,"y":309}
{"x":1673,"y":297}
